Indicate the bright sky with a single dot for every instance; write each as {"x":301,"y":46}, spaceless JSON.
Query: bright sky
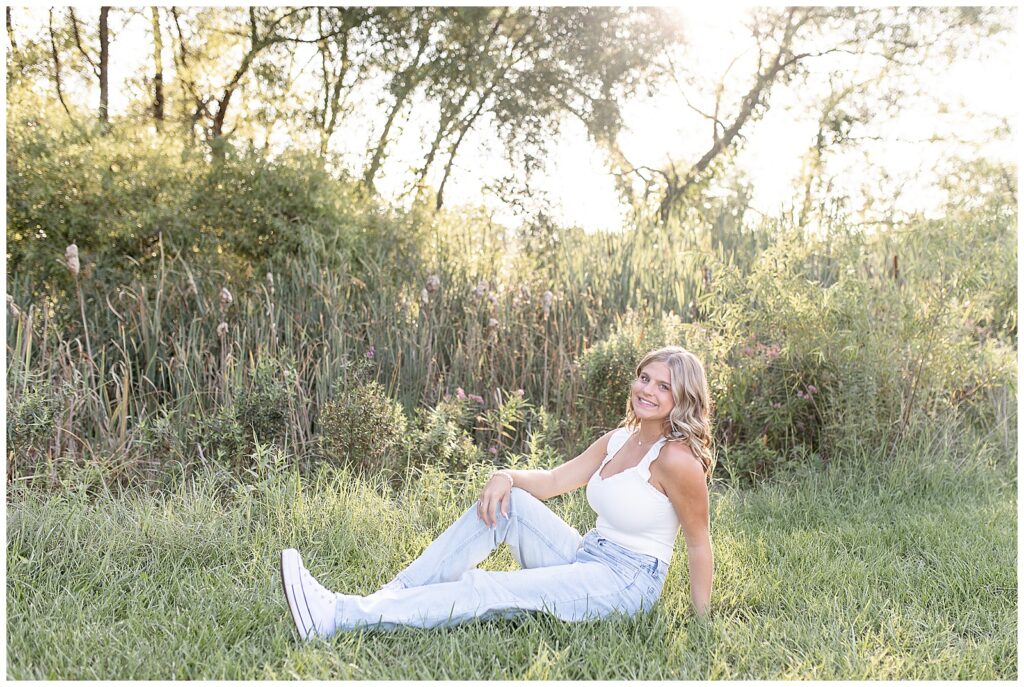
{"x":577,"y":181}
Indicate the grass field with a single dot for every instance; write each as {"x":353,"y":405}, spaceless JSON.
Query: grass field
{"x":866,"y":570}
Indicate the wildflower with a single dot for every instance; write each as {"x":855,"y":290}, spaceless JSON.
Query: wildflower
{"x":800,"y":394}
{"x":225,"y":298}
{"x":433,"y":283}
{"x":460,"y":393}
{"x":222,"y":329}
{"x":370,"y":352}
{"x":524,"y":292}
{"x":492,"y":323}
{"x":493,"y":297}
{"x":493,"y":450}
{"x":548,"y":297}
{"x":475,"y":398}
{"x":424,"y":296}
{"x":481,"y":289}
{"x":811,"y":389}
{"x":520,"y":393}
{"x":71,"y":260}
{"x":747,"y":351}
{"x":776,"y":405}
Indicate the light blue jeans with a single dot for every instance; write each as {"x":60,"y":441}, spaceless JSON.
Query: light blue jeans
{"x":569,"y":576}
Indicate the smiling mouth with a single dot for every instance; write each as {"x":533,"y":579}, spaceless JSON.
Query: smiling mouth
{"x":645,"y":404}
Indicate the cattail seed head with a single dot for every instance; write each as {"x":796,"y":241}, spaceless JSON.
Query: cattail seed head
{"x":225,"y":298}
{"x":481,"y":289}
{"x":15,"y":310}
{"x":222,"y":329}
{"x":71,"y":260}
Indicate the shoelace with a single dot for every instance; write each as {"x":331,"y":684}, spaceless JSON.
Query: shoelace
{"x":309,"y":584}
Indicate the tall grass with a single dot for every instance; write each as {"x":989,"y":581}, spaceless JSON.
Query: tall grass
{"x":171,"y":348}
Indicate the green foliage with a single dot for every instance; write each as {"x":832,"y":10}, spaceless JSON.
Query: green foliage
{"x":609,"y":367}
{"x":219,"y":436}
{"x":122,"y":198}
{"x":813,"y":344}
{"x":263,"y":406}
{"x":503,"y":426}
{"x":365,"y":428}
{"x":442,"y":437}
{"x":30,"y":417}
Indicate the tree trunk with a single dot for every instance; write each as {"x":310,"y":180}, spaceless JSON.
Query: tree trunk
{"x":10,"y":30}
{"x":455,"y":148}
{"x":158,"y":67}
{"x":408,"y":80}
{"x":104,"y":64}
{"x":753,"y":98}
{"x":56,"y":72}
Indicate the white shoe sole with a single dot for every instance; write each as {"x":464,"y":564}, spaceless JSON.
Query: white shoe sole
{"x":291,"y":565}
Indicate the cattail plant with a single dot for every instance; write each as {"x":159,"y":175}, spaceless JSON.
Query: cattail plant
{"x":73,"y":265}
{"x":226,"y":299}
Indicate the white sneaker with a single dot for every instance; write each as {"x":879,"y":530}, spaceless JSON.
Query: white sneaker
{"x":312,"y":605}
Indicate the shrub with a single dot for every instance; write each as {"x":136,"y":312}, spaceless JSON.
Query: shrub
{"x":262,"y":407}
{"x":442,"y":438}
{"x":364,"y":428}
{"x":219,"y":436}
{"x":608,"y":368}
{"x":748,"y":460}
{"x":31,"y":418}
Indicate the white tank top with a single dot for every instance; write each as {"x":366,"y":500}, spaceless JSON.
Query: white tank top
{"x":630,"y":510}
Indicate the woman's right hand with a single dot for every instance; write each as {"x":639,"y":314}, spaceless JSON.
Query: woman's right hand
{"x":495,"y":497}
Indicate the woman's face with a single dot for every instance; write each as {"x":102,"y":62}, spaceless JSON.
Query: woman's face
{"x":651,"y":393}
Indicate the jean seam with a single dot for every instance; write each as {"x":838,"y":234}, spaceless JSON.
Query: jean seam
{"x":456,"y":549}
{"x":603,"y":596}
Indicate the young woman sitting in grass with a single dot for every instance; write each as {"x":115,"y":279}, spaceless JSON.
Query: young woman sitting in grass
{"x":644,"y":480}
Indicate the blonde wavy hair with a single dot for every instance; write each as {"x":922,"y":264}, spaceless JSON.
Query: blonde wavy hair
{"x":690,"y":419}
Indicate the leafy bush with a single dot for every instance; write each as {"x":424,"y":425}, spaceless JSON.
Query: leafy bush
{"x":443,"y":435}
{"x":608,"y":368}
{"x":219,"y":436}
{"x":262,"y":407}
{"x":30,"y":423}
{"x":365,"y":428}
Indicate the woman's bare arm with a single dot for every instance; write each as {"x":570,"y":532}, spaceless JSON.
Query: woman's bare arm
{"x":544,"y":484}
{"x":682,"y":477}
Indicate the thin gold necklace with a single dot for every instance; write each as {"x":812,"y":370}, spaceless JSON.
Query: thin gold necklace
{"x":641,"y":443}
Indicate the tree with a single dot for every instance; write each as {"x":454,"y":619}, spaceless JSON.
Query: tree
{"x":790,"y":40}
